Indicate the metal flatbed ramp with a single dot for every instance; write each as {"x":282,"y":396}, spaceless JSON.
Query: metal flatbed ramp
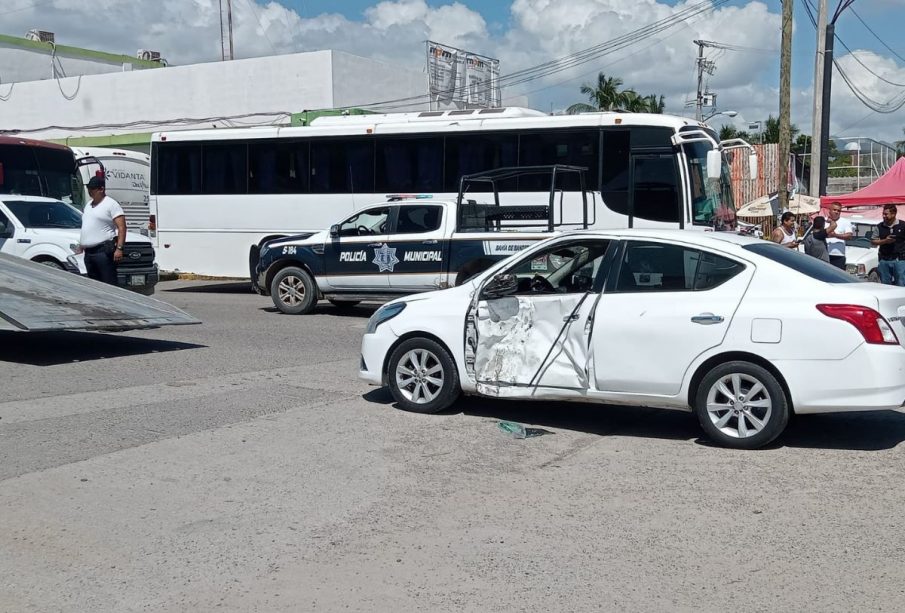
{"x":35,"y":297}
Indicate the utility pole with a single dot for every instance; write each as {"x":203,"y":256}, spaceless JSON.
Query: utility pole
{"x":699,"y":101}
{"x":785,"y":103}
{"x":827,"y":89}
{"x":707,"y":66}
{"x":226,"y":31}
{"x":817,"y":119}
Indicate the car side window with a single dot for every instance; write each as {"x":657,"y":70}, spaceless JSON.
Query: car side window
{"x":660,"y":267}
{"x":564,"y":268}
{"x":366,"y":223}
{"x":418,"y":219}
{"x":5,"y":225}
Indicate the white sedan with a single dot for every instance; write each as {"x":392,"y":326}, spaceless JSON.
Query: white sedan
{"x":740,"y":331}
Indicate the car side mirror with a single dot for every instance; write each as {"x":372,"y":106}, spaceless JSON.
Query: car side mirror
{"x":334,"y":231}
{"x":752,"y":165}
{"x":6,"y":231}
{"x":714,"y":164}
{"x":501,"y":285}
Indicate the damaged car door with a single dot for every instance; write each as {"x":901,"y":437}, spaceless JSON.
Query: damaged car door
{"x":529,"y":326}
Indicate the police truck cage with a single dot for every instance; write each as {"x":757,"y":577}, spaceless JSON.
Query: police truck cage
{"x":479,"y":217}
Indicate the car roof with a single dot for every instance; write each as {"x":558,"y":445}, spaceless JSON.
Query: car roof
{"x":718,"y":240}
{"x":25,"y":198}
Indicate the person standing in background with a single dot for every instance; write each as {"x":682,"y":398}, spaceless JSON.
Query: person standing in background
{"x":103,"y":233}
{"x":835,"y":241}
{"x":891,"y":240}
{"x":784,"y":234}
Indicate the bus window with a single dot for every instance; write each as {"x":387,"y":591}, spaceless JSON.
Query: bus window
{"x":225,"y":168}
{"x":342,"y":167}
{"x":179,"y":171}
{"x":410,"y":164}
{"x":656,"y":192}
{"x":616,"y":155}
{"x":559,"y":147}
{"x":20,"y":170}
{"x":278,"y":168}
{"x":469,"y":153}
{"x":56,"y":167}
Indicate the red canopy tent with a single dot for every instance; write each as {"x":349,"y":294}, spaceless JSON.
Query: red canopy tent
{"x":888,"y":189}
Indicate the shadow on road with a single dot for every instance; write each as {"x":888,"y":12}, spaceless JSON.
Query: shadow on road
{"x":362,"y":311}
{"x":871,"y":431}
{"x":233,"y":287}
{"x":53,"y":348}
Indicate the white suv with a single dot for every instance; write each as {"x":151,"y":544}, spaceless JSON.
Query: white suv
{"x":47,"y":231}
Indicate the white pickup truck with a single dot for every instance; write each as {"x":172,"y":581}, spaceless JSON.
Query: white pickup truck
{"x":47,"y":231}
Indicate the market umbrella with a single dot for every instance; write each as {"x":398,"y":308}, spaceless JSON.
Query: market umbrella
{"x":800,"y":204}
{"x":761,"y":207}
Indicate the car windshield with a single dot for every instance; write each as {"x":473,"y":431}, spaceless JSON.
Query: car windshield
{"x":44,"y":214}
{"x":799,"y":262}
{"x":712,"y":203}
{"x":861,"y":235}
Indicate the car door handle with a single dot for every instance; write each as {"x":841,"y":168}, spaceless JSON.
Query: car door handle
{"x":27,"y":241}
{"x":430,"y":241}
{"x":375,"y":244}
{"x":707,"y":319}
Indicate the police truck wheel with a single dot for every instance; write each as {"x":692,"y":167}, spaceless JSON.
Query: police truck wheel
{"x":344,"y":304}
{"x":422,"y":376}
{"x":293,"y":291}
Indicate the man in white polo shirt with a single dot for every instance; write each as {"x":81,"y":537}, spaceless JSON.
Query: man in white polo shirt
{"x":103,"y":233}
{"x":835,"y":240}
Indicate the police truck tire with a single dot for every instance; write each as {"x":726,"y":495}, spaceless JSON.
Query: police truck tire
{"x":293,"y":291}
{"x":344,"y":304}
{"x":422,"y":376}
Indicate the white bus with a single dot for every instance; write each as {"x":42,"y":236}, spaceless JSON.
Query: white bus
{"x":127,"y":176}
{"x":215,"y":193}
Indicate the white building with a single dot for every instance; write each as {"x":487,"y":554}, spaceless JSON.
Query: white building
{"x":122,"y":108}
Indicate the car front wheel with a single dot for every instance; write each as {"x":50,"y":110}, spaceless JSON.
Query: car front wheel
{"x":741,"y":405}
{"x":293,"y":291}
{"x":422,"y":376}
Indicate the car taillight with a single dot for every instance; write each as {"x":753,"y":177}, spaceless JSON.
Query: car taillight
{"x":872,"y":326}
{"x":152,"y":222}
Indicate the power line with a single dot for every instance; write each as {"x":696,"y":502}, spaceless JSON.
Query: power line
{"x":882,"y":42}
{"x":253,"y":6}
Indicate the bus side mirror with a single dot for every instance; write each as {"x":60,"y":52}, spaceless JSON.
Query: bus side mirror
{"x":714,"y":164}
{"x":334,"y":231}
{"x":752,"y":165}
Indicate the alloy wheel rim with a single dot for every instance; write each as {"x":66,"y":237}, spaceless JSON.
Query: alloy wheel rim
{"x":292,"y":291}
{"x":419,"y":376}
{"x":739,"y":405}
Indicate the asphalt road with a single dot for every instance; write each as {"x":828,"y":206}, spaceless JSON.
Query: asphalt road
{"x":240,"y":465}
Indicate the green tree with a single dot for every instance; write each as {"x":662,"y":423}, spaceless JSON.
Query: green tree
{"x":729,"y":131}
{"x":771,"y":130}
{"x":607,"y":95}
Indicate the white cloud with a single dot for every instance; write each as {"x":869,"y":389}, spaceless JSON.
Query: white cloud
{"x":187,"y":31}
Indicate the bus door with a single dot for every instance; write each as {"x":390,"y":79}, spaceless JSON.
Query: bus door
{"x":654,"y":195}
{"x":356,"y":254}
{"x":421,"y":247}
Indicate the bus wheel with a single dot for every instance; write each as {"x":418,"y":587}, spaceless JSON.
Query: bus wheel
{"x":293,"y":291}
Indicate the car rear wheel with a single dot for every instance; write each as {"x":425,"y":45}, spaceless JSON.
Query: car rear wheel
{"x":51,"y":263}
{"x":293,"y":291}
{"x":741,"y":405}
{"x":422,"y":376}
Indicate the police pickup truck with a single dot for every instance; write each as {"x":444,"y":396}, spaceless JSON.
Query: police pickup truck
{"x":407,"y":245}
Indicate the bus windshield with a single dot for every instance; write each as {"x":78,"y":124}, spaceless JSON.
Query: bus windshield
{"x":31,"y":170}
{"x":711,"y":199}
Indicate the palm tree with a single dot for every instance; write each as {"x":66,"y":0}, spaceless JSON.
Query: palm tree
{"x":604,"y":97}
{"x":655,"y":105}
{"x":729,"y":131}
{"x":771,"y":130}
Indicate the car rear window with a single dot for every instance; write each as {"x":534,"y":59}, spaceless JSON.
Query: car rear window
{"x":799,"y":262}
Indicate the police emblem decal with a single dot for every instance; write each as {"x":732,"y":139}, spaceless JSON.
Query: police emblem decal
{"x":385,"y":258}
